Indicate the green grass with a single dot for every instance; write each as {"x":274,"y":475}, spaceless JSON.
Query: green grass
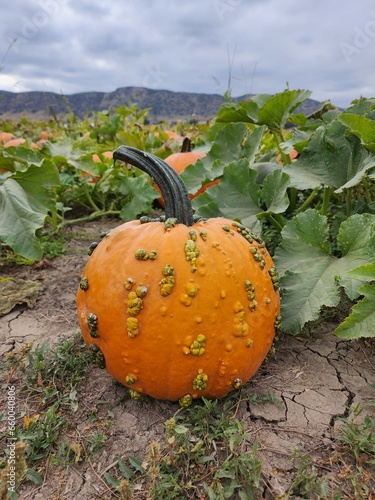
{"x":206,"y":451}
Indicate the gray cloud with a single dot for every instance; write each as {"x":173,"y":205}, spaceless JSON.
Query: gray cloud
{"x":66,"y":46}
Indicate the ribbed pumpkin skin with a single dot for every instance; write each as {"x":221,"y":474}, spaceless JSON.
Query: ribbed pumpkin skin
{"x":209,"y":298}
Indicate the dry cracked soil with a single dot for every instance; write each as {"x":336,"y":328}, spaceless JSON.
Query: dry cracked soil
{"x":316,"y":379}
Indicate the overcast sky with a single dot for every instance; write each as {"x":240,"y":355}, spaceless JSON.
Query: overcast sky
{"x":261,"y":46}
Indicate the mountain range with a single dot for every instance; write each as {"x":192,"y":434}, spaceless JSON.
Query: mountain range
{"x":164,"y":105}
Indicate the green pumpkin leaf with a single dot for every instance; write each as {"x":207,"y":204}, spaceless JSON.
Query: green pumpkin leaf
{"x":36,"y":182}
{"x":361,"y":321}
{"x":236,"y":197}
{"x":86,"y":164}
{"x":139,"y":195}
{"x":330,"y":158}
{"x":310,"y":274}
{"x":274,"y":110}
{"x":356,"y":240}
{"x":364,"y":273}
{"x":25,"y":199}
{"x":274,"y":192}
{"x":226,"y":148}
{"x":362,"y":127}
{"x":20,"y":158}
{"x":253,"y":144}
{"x":62,"y":148}
{"x":264,"y":109}
{"x":241,"y":112}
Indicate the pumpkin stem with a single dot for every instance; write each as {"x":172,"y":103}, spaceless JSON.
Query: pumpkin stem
{"x":175,"y":194}
{"x":186,"y":145}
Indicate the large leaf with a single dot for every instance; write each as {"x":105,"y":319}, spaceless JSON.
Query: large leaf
{"x":236,"y":197}
{"x":20,"y":158}
{"x":365,"y":272}
{"x":310,"y":275}
{"x":18,"y":221}
{"x":330,"y":158}
{"x":274,"y":192}
{"x":25,"y":200}
{"x":242,"y":112}
{"x":274,"y":110}
{"x":36,"y":183}
{"x":226,"y":148}
{"x":361,"y":126}
{"x":361,"y":322}
{"x":76,"y":153}
{"x":264,"y":109}
{"x":359,"y":165}
{"x":139,"y":195}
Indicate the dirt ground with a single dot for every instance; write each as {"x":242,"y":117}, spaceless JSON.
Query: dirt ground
{"x":317,"y":377}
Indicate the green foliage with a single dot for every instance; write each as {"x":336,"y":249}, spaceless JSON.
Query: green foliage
{"x":51,"y":379}
{"x":43,"y":186}
{"x":207,"y":453}
{"x":357,"y":436}
{"x":316,"y":212}
{"x":310,"y":273}
{"x":360,"y":323}
{"x":25,"y":200}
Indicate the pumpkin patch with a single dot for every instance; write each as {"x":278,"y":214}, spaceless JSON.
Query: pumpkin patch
{"x":178,"y":307}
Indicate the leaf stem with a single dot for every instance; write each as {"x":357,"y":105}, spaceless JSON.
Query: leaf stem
{"x":90,"y":200}
{"x":308,"y":200}
{"x":275,"y":221}
{"x":326,"y":199}
{"x":367,"y":191}
{"x":348,"y":202}
{"x":87,"y":218}
{"x":293,"y":193}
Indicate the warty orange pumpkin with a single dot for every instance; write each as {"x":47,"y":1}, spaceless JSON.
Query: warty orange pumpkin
{"x":178,"y":307}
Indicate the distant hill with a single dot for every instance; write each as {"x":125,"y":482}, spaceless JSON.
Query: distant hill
{"x":164,"y":105}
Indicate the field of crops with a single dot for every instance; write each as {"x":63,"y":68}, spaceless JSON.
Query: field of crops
{"x":304,"y":184}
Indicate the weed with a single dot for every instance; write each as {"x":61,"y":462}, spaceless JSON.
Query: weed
{"x":53,"y":245}
{"x":308,"y":482}
{"x":359,"y":437}
{"x":50,"y":379}
{"x":96,"y":442}
{"x":351,"y":465}
{"x":207,"y":451}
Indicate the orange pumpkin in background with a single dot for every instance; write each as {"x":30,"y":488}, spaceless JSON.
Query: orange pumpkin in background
{"x":179,"y":161}
{"x":5,"y":137}
{"x":293,"y":155}
{"x":106,"y":154}
{"x":173,"y":135}
{"x":178,"y":307}
{"x":14,"y":142}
